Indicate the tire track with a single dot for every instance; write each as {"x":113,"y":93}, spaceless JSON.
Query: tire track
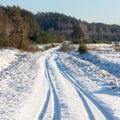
{"x":50,"y":107}
{"x":67,"y":94}
{"x":45,"y":106}
{"x":47,"y":98}
{"x":93,"y":108}
{"x":57,"y":111}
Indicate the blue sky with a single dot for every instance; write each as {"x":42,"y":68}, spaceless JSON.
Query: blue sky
{"x":106,"y":11}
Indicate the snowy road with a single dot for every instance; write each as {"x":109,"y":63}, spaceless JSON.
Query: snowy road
{"x":70,"y":100}
{"x":60,"y":86}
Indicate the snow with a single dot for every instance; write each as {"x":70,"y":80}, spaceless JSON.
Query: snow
{"x":53,"y":85}
{"x":42,"y":47}
{"x":7,"y":56}
{"x":101,"y":47}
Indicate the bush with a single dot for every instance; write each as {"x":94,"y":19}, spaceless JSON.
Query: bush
{"x":82,"y":48}
{"x":66,"y":47}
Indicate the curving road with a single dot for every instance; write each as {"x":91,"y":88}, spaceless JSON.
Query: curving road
{"x":65,"y":98}
{"x":52,"y":85}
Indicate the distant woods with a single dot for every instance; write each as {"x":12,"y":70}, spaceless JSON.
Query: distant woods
{"x":64,"y":25}
{"x":20,"y":28}
{"x":17,"y":26}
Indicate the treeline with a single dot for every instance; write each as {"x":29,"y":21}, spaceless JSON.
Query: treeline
{"x":57,"y":23}
{"x":62,"y":24}
{"x":100,"y":31}
{"x":19,"y":29}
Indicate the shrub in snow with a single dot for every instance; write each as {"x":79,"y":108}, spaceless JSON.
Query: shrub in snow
{"x":82,"y":48}
{"x":66,"y":47}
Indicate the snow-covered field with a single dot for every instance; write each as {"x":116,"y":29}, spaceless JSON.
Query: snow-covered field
{"x":7,"y":57}
{"x":53,"y":85}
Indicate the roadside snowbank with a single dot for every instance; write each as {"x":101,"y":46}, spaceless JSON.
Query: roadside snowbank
{"x":23,"y":85}
{"x":6,"y":57}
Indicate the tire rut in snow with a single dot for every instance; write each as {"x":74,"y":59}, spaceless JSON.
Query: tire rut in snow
{"x":86,"y":98}
{"x":57,"y":111}
{"x":45,"y":106}
{"x":67,"y":94}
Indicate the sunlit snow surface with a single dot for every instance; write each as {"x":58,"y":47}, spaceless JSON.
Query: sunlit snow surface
{"x":53,"y":85}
